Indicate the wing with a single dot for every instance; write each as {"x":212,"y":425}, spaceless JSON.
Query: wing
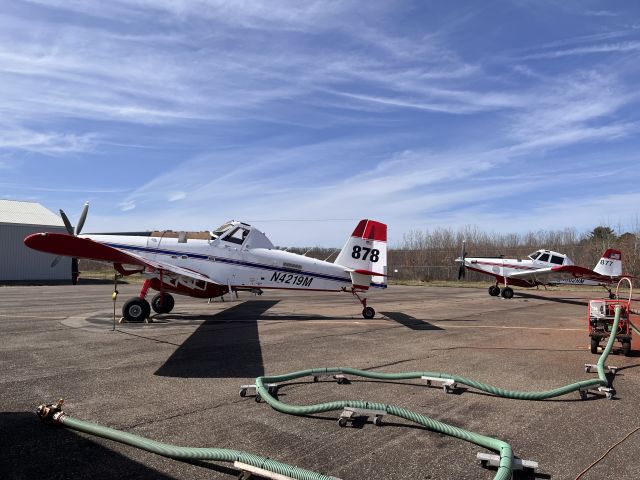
{"x":70,"y":246}
{"x":561,"y":272}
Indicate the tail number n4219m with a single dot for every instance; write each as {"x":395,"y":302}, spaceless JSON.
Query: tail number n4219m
{"x":292,"y":279}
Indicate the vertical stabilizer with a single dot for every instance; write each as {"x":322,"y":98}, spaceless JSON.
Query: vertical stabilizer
{"x":365,"y":255}
{"x":610,"y":264}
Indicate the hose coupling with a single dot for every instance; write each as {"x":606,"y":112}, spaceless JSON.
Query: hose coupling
{"x":51,"y":412}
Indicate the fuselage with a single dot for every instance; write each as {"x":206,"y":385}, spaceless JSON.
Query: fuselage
{"x":233,"y":265}
{"x":500,"y":267}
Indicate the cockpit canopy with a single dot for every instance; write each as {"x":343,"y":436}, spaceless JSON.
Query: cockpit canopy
{"x":241,"y":234}
{"x":550,"y":257}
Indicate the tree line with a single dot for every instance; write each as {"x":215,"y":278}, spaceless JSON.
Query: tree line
{"x":428,"y":255}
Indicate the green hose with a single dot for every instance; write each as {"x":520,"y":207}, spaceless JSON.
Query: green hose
{"x":226,"y":455}
{"x":188,"y":453}
{"x":503,"y":448}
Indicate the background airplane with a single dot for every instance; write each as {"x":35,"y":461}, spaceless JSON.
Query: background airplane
{"x":542,"y":267}
{"x":235,"y":256}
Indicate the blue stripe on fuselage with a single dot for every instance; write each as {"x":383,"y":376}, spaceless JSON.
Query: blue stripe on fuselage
{"x":227,"y":260}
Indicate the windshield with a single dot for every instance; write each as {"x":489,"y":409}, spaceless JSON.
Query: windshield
{"x":534,"y":255}
{"x":218,"y":232}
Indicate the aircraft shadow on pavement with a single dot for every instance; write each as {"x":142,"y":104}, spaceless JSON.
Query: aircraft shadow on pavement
{"x":409,"y":321}
{"x":569,"y":301}
{"x":32,"y":449}
{"x":225,"y":345}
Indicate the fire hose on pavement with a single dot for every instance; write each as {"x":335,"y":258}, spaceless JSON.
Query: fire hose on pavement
{"x":54,"y":413}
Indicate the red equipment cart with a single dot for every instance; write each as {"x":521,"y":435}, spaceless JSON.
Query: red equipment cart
{"x":601,"y":314}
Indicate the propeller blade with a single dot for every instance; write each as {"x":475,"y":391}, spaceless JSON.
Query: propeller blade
{"x":56,"y":261}
{"x":67,"y":223}
{"x":83,"y":217}
{"x":462,"y":271}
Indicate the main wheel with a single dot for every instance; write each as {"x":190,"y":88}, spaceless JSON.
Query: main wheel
{"x":507,"y":292}
{"x":626,"y":348}
{"x":595,"y":343}
{"x":494,"y":290}
{"x":163,"y":303}
{"x":368,"y":312}
{"x":136,"y":310}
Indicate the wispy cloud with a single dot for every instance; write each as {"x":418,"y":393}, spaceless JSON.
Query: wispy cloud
{"x":408,"y":113}
{"x":617,"y":47}
{"x":601,"y":13}
{"x":176,"y":196}
{"x":46,"y":142}
{"x":126,"y":206}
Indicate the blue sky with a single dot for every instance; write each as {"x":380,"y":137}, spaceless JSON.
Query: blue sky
{"x":303,"y":117}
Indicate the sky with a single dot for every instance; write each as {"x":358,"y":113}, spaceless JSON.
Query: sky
{"x":303,"y":117}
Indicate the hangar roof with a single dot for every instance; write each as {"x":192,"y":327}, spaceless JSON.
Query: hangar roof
{"x":27,"y":213}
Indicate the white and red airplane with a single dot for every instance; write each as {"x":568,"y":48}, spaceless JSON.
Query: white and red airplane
{"x":542,"y":267}
{"x":234,"y":257}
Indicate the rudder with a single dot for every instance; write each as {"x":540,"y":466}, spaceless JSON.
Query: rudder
{"x":610,"y":264}
{"x":365,"y":255}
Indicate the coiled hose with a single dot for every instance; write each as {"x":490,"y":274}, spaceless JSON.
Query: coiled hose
{"x":56,"y":415}
{"x":504,"y":449}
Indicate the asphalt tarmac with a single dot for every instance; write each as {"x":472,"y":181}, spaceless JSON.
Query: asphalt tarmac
{"x":177,"y":381}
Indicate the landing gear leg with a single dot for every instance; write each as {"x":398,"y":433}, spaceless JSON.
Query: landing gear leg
{"x":367,"y":312}
{"x":612,"y":296}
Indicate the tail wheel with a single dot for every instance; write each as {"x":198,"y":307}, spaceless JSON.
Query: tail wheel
{"x":163,"y":303}
{"x":368,"y":312}
{"x":507,"y":292}
{"x":136,"y":310}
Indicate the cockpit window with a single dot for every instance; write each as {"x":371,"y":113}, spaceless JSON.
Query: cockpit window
{"x":534,"y":255}
{"x":237,"y":236}
{"x":218,"y":232}
{"x":557,"y":260}
{"x":544,"y":257}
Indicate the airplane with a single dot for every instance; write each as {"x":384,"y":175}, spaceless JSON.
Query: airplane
{"x":542,"y":267}
{"x":233,"y":257}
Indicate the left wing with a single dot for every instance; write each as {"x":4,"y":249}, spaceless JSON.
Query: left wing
{"x":561,"y":272}
{"x":71,"y":246}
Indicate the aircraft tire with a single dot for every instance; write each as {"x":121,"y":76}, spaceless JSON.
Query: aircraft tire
{"x":160,"y":306}
{"x":136,"y":310}
{"x":494,"y":291}
{"x":507,"y":292}
{"x":368,"y":313}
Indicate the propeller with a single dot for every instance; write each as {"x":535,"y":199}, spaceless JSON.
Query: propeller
{"x":462,"y":271}
{"x":75,"y":231}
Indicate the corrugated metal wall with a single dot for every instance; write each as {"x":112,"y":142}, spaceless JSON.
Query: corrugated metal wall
{"x":17,"y":262}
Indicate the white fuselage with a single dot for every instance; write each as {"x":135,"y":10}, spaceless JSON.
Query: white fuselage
{"x":237,"y":266}
{"x":505,"y":267}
